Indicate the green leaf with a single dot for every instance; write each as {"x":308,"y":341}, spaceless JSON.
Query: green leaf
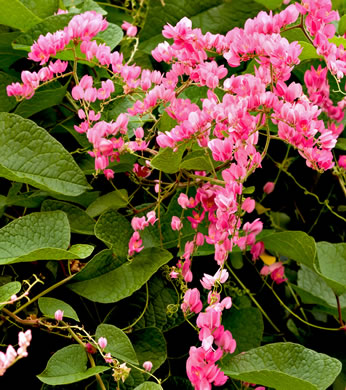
{"x":118,"y":344}
{"x":312,"y":289}
{"x":270,"y":4}
{"x":309,"y":51}
{"x":41,"y":100}
{"x":167,"y":160}
{"x":49,"y":306}
{"x":102,"y":263}
{"x":69,"y":365}
{"x":338,"y":41}
{"x":51,"y":24}
{"x":124,"y":280}
{"x":330,"y":263}
{"x":42,"y":8}
{"x":7,"y":54}
{"x":84,"y":199}
{"x":161,"y":298}
{"x":15,"y":14}
{"x":196,"y":161}
{"x":211,"y":15}
{"x":80,"y":221}
{"x":148,"y":386}
{"x":115,"y":231}
{"x":30,"y":199}
{"x":113,"y":200}
{"x":112,"y":36}
{"x":341,"y":144}
{"x":166,"y":123}
{"x":246,"y":326}
{"x":35,"y":231}
{"x":7,"y":290}
{"x":195,"y":94}
{"x":297,"y":246}
{"x":28,"y":154}
{"x":150,"y":345}
{"x":284,"y":366}
{"x":90,"y":5}
{"x":39,"y":236}
{"x":6,"y":102}
{"x":342,"y":25}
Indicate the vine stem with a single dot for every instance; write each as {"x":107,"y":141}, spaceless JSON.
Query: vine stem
{"x":339,"y":310}
{"x":48,"y":290}
{"x":295,"y":315}
{"x":143,"y":312}
{"x":253,"y":299}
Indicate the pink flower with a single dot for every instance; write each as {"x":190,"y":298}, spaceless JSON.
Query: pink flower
{"x":268,"y":187}
{"x":342,"y":161}
{"x":135,"y":244}
{"x":148,"y":365}
{"x":176,"y":223}
{"x":209,"y":281}
{"x":192,"y":301}
{"x":139,"y":223}
{"x":276,"y":271}
{"x":102,"y":342}
{"x":59,"y":314}
{"x":130,"y":29}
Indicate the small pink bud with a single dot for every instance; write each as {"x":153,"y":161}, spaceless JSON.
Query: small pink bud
{"x":108,"y":358}
{"x":90,"y":348}
{"x":269,"y":187}
{"x":147,"y":365}
{"x":102,"y":342}
{"x":342,"y":161}
{"x":59,"y":314}
{"x":13,"y":298}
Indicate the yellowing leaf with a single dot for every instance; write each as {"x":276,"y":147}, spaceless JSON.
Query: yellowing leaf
{"x":267,"y":259}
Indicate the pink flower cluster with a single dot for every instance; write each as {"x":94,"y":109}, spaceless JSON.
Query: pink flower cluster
{"x":319,"y":18}
{"x":11,"y":355}
{"x":140,"y":223}
{"x":200,"y":366}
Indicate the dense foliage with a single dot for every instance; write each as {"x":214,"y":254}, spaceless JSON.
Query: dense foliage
{"x":172,"y":211}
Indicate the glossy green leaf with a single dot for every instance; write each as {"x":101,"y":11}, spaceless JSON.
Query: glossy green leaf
{"x":118,"y":344}
{"x":15,"y":14}
{"x":30,"y":199}
{"x":80,"y":221}
{"x":49,"y":306}
{"x":69,"y":365}
{"x":6,"y":102}
{"x":28,"y":154}
{"x":7,"y":290}
{"x":330,"y":263}
{"x":124,"y":280}
{"x":309,"y":51}
{"x":246,"y":326}
{"x":270,"y":4}
{"x":211,"y":15}
{"x":113,"y":200}
{"x":167,"y":160}
{"x":41,"y":100}
{"x":115,"y":231}
{"x":297,"y":246}
{"x":166,"y":123}
{"x":284,"y":366}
